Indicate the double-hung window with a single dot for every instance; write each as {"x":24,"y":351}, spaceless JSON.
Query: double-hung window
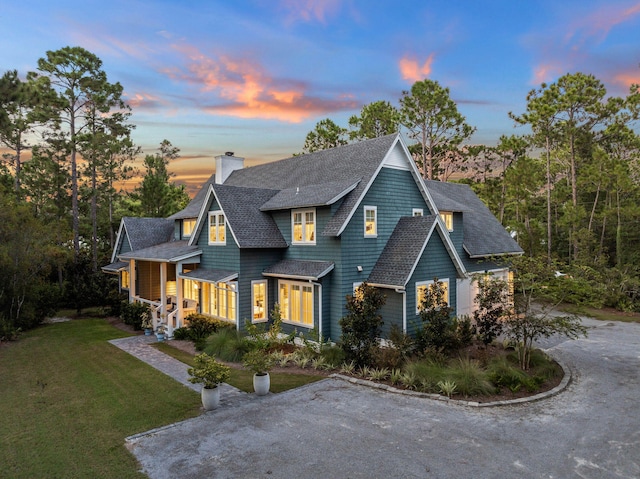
{"x":304,"y":226}
{"x":370,"y":221}
{"x":187,"y":227}
{"x":296,"y":302}
{"x":424,"y":286}
{"x":259,"y":300}
{"x":447,"y":217}
{"x":217,"y":229}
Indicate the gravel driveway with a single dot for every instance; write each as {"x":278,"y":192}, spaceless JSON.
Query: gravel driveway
{"x":334,"y":429}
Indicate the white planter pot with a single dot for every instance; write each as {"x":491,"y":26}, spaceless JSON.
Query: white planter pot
{"x":261,"y":384}
{"x":210,"y":398}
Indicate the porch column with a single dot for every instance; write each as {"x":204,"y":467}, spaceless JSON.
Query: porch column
{"x":132,"y":280}
{"x":163,"y":293}
{"x":179,"y":296}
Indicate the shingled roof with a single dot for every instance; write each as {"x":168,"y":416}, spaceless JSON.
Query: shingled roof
{"x":164,"y":252}
{"x":402,"y":252}
{"x":145,"y":232}
{"x":250,"y":227}
{"x":349,"y":164}
{"x":484,"y":236}
{"x":192,"y":210}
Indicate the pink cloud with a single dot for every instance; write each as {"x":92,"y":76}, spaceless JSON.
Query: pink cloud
{"x":599,"y":23}
{"x":627,"y":79}
{"x":412,"y":71}
{"x":249,"y":90}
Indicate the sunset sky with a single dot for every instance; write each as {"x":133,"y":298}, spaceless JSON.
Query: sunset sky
{"x":255,"y":76}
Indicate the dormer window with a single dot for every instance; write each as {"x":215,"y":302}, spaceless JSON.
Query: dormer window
{"x":370,"y":221}
{"x":217,"y":229}
{"x":304,"y":226}
{"x":187,"y":227}
{"x":447,"y":217}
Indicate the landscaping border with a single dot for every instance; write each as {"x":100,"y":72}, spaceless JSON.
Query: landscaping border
{"x":438,"y":397}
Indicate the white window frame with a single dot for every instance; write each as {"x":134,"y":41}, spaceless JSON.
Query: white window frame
{"x":286,"y":305}
{"x":265,"y":314}
{"x":447,"y":218}
{"x":220,"y":300}
{"x":373,"y":209}
{"x":417,"y":212}
{"x":304,"y":224}
{"x":214,"y":220}
{"x":420,"y":284}
{"x":192,"y":223}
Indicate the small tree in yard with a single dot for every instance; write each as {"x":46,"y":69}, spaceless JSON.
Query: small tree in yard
{"x":361,"y":327}
{"x":493,"y":305}
{"x":527,"y":324}
{"x":438,"y":329}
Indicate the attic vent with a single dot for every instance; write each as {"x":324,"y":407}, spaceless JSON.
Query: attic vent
{"x":228,"y":153}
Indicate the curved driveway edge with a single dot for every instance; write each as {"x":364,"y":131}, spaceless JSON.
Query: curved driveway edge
{"x":334,"y":428}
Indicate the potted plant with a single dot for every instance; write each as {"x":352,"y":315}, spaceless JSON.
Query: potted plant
{"x":210,"y":373}
{"x":146,"y":323}
{"x":160,"y":332}
{"x":260,"y":362}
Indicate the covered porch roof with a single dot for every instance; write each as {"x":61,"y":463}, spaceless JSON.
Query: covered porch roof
{"x":170,"y":252}
{"x":299,"y":269}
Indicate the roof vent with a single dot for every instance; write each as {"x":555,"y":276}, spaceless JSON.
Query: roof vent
{"x":229,"y":153}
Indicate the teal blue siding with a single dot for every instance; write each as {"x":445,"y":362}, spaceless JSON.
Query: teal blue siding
{"x":391,"y":312}
{"x":435,"y":263}
{"x":124,"y":246}
{"x":395,"y":194}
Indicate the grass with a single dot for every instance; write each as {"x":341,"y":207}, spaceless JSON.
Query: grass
{"x":243,"y":379}
{"x":69,"y":399}
{"x":602,"y":314}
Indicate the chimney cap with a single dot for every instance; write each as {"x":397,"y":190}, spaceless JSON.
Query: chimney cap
{"x":228,"y":153}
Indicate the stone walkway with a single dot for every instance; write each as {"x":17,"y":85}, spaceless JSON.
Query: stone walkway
{"x":140,"y":347}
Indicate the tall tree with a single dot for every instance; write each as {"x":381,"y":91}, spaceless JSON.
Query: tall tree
{"x":376,"y":119}
{"x":433,"y":119}
{"x":325,"y":135}
{"x":81,"y":86}
{"x":159,"y":197}
{"x":21,"y":108}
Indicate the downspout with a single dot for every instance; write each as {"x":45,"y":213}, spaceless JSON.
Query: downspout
{"x":319,"y":309}
{"x":403,"y":292}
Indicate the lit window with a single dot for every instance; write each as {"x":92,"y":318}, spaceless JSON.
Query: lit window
{"x":304,"y":226}
{"x":417,"y":212}
{"x":296,"y":303}
{"x":217,"y":228}
{"x":370,"y":221}
{"x":125,"y":279}
{"x":421,"y":289}
{"x":187,"y":227}
{"x":219,"y":300}
{"x":259,"y":301}
{"x":190,"y":289}
{"x":447,"y":217}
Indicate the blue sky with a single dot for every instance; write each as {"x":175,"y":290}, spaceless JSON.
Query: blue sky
{"x":255,"y":76}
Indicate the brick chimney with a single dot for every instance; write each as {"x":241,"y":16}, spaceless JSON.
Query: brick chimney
{"x":227,"y":164}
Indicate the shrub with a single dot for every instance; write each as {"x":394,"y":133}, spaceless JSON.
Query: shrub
{"x":465,"y":331}
{"x":183,"y":333}
{"x":438,"y":329}
{"x":503,"y":373}
{"x":133,"y":313}
{"x":332,"y":355}
{"x":492,"y":300}
{"x":202,"y":326}
{"x":362,"y":325}
{"x":469,"y":377}
{"x":208,"y":371}
{"x":227,"y":345}
{"x":8,"y":332}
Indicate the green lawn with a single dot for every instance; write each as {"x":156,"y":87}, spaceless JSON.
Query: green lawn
{"x":243,"y":379}
{"x":68,"y":399}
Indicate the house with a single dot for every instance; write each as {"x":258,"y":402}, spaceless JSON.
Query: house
{"x":305,"y":231}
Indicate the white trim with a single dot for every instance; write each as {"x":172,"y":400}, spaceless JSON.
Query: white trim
{"x":286,"y":313}
{"x":266,"y":300}
{"x":427,"y":283}
{"x":366,"y":209}
{"x":217,"y":214}
{"x":303,"y":214}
